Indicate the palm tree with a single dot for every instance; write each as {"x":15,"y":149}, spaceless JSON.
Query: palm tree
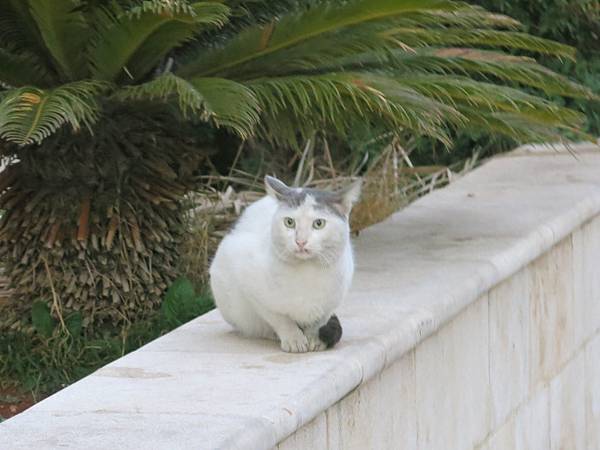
{"x":107,"y":109}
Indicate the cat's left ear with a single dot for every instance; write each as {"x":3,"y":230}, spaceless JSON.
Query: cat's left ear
{"x":277,"y":188}
{"x":348,"y":196}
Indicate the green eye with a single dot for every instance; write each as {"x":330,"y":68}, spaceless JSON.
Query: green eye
{"x":289,"y":222}
{"x":318,"y":224}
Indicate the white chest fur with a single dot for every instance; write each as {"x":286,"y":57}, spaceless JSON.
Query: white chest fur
{"x":307,"y":292}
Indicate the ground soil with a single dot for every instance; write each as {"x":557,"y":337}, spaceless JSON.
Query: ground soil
{"x":12,"y":402}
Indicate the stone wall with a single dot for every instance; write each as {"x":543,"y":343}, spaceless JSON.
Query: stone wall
{"x":517,"y":369}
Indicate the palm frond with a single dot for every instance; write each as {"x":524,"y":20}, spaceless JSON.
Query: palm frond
{"x":165,"y":88}
{"x":467,"y":17}
{"x":420,"y":37}
{"x":64,"y":33}
{"x":18,"y":68}
{"x":224,"y":102}
{"x":258,"y":41}
{"x":159,"y":7}
{"x":487,"y":97}
{"x":338,"y":100}
{"x":304,"y":57}
{"x":517,"y":127}
{"x":19,"y":31}
{"x":493,"y":66}
{"x":28,"y":115}
{"x":489,"y":65}
{"x":131,"y":42}
{"x":423,"y":66}
{"x":229,"y":103}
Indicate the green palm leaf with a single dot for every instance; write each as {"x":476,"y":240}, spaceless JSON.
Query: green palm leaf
{"x":28,"y":115}
{"x":491,"y":65}
{"x":293,"y":29}
{"x":365,"y":39}
{"x":327,"y":66}
{"x":18,"y":28}
{"x":64,"y":33}
{"x":165,"y":88}
{"x":336,"y":101}
{"x":18,"y":68}
{"x":230,"y":104}
{"x":516,"y":126}
{"x":486,"y":97}
{"x":222,"y":101}
{"x":467,"y":17}
{"x":495,"y":38}
{"x":134,"y":41}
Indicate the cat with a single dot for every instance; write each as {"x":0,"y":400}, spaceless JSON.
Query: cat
{"x":287,"y":265}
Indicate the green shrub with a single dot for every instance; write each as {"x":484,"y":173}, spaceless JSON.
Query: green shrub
{"x":575,"y":23}
{"x":572,"y":22}
{"x":54,"y":353}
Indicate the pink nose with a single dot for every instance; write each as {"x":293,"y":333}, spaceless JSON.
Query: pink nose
{"x":300,"y":243}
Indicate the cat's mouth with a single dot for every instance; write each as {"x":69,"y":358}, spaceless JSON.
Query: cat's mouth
{"x":303,"y":253}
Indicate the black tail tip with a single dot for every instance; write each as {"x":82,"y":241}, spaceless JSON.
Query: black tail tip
{"x":331,"y":332}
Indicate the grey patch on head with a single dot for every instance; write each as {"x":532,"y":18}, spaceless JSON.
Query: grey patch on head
{"x":330,"y":201}
{"x":331,"y":333}
{"x":295,"y":197}
{"x":323,"y":200}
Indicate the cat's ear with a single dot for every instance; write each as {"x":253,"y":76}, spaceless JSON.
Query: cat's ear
{"x":348,"y":196}
{"x":277,"y":188}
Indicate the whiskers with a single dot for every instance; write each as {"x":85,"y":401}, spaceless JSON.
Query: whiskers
{"x":327,"y":257}
{"x":282,"y":253}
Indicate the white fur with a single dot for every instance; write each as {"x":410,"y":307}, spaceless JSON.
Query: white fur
{"x":265,"y":286}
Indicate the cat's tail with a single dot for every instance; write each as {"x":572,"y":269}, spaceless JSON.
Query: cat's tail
{"x":331,"y":332}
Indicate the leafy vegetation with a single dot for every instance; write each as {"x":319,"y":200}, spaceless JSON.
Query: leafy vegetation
{"x":571,"y":22}
{"x":53,"y":354}
{"x":112,"y":113}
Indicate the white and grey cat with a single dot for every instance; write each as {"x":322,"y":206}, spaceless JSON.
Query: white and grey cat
{"x":287,"y":265}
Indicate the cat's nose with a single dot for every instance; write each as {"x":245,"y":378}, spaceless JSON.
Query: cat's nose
{"x":300,"y":243}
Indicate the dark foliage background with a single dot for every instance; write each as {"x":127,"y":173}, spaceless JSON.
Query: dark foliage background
{"x":573,"y":22}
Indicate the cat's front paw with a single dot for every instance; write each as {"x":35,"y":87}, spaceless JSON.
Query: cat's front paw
{"x":296,"y":343}
{"x":315,"y":344}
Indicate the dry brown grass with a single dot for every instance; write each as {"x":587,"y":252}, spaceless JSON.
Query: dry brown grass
{"x":208,"y":221}
{"x":5,"y":291}
{"x":389,"y":183}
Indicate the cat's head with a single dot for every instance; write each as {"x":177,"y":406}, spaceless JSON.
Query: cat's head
{"x":309,"y":223}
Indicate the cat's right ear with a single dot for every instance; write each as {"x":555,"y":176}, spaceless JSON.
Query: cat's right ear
{"x":277,"y":188}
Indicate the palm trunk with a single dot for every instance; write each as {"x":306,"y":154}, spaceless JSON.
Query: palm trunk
{"x":92,"y":223}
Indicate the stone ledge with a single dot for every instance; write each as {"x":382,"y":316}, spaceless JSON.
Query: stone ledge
{"x":201,"y":386}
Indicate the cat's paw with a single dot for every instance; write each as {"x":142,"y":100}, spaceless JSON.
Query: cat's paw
{"x":315,"y":344}
{"x":296,"y":343}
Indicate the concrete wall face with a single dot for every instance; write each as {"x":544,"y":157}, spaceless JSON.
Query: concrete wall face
{"x":517,"y":369}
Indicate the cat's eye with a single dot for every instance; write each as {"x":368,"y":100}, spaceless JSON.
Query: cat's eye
{"x":289,"y":222}
{"x":318,"y":224}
